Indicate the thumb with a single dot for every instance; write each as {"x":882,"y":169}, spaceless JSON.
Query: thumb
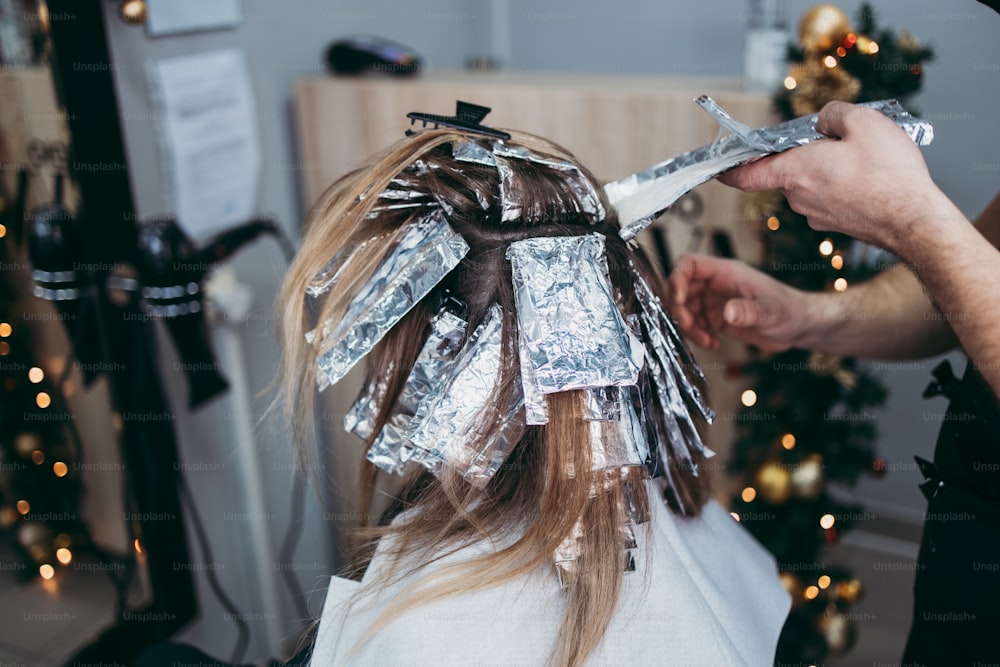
{"x":746,"y":313}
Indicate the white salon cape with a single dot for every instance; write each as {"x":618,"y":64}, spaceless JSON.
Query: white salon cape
{"x":705,"y":593}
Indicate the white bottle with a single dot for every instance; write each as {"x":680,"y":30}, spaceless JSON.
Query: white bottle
{"x":764,"y":66}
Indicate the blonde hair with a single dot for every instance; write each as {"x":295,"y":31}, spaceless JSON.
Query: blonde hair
{"x":532,"y":503}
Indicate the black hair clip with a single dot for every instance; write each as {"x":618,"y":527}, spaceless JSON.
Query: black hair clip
{"x":466,"y":118}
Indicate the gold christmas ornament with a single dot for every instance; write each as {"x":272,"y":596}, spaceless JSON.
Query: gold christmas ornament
{"x":773,"y":483}
{"x":838,"y":631}
{"x":807,"y":478}
{"x":822,"y":27}
{"x":816,"y":84}
{"x":850,"y":590}
{"x":26,"y":443}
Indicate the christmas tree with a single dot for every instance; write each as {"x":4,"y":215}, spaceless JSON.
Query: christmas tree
{"x":808,"y":420}
{"x":39,"y":479}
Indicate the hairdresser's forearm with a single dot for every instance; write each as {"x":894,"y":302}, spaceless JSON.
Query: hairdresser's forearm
{"x":960,"y":268}
{"x":887,"y":317}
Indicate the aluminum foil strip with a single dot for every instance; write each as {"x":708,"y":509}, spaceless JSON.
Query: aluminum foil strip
{"x":589,"y":201}
{"x":642,"y":197}
{"x":567,"y":556}
{"x":360,"y":417}
{"x":659,"y":433}
{"x":490,"y":457}
{"x":584,"y":190}
{"x":621,"y":443}
{"x":680,"y":357}
{"x":428,"y":250}
{"x":450,"y":418}
{"x":536,"y":410}
{"x":330,"y":273}
{"x":571,"y":331}
{"x":682,"y":434}
{"x":603,"y":404}
{"x":390,"y":449}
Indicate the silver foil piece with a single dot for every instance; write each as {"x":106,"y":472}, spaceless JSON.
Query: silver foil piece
{"x":536,"y":410}
{"x":571,"y":332}
{"x":453,"y":416}
{"x":427,"y":251}
{"x":587,"y":198}
{"x":642,"y":197}
{"x":360,"y":417}
{"x":390,"y":450}
{"x":603,"y":404}
{"x":622,"y":442}
{"x":658,"y":320}
{"x":567,"y":556}
{"x":585,"y":193}
{"x":668,"y":363}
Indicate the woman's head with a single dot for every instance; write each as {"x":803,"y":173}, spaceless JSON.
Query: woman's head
{"x":549,"y":491}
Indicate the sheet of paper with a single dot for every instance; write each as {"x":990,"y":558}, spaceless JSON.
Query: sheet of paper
{"x":209,"y":133}
{"x":169,"y":17}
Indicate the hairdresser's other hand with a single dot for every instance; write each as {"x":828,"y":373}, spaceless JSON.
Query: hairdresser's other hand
{"x":711,"y":296}
{"x":870,"y":182}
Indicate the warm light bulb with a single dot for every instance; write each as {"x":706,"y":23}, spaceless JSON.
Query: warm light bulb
{"x":873,"y":47}
{"x":5,"y":329}
{"x":830,"y":62}
{"x":60,"y":469}
{"x":826,"y":521}
{"x":840,"y":284}
{"x":43,"y":400}
{"x":788,"y":441}
{"x":748,"y":494}
{"x":773,"y":223}
{"x":3,"y":231}
{"x":748,"y":397}
{"x":64,"y":555}
{"x":4,"y":348}
{"x":841,"y":51}
{"x":790,"y":83}
{"x":824,"y":581}
{"x":36,"y":374}
{"x":137,"y":546}
{"x":23,"y":506}
{"x":811,"y":592}
{"x":38,"y":457}
{"x":47,"y":571}
{"x":826,"y":247}
{"x":735,"y":515}
{"x":837,"y":262}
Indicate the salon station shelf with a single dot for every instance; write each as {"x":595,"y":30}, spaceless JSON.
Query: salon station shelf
{"x":615,"y":125}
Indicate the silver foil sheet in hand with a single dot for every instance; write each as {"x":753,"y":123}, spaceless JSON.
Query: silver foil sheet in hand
{"x":641,"y":198}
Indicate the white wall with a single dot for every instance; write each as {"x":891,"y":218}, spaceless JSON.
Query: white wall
{"x":284,"y":41}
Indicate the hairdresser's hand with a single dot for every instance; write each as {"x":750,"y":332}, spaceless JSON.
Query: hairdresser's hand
{"x":870,"y":182}
{"x":711,"y":296}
